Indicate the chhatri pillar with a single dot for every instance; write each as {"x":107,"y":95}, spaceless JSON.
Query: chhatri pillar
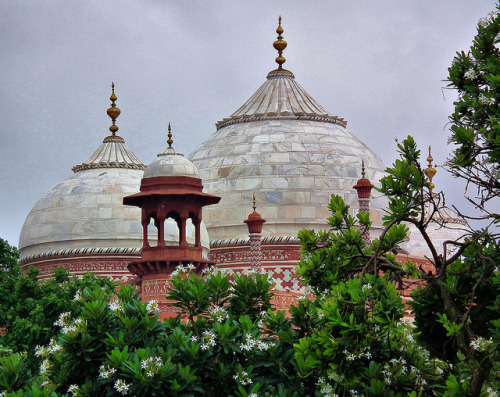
{"x":364,"y":188}
{"x":170,"y":188}
{"x":254,"y":223}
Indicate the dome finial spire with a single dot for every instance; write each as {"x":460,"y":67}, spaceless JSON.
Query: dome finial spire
{"x":170,"y":140}
{"x":363,"y":168}
{"x":113,"y":111}
{"x":280,"y":45}
{"x":430,"y":171}
{"x":254,"y":206}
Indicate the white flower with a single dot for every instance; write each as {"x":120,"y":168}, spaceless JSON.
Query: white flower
{"x":483,"y":22}
{"x":44,"y":366}
{"x":486,"y":100}
{"x":194,"y":338}
{"x":78,"y":296}
{"x":63,"y":319}
{"x":152,"y":306}
{"x":115,"y":307}
{"x":73,"y":389}
{"x":121,"y":387}
{"x":470,"y":75}
{"x":218,"y":313}
{"x":481,"y":344}
{"x":208,"y":340}
{"x":242,"y":378}
{"x":105,"y":374}
{"x":69,"y":328}
{"x":39,"y":351}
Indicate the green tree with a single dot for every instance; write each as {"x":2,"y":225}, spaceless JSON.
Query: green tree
{"x":29,"y":307}
{"x":475,"y":123}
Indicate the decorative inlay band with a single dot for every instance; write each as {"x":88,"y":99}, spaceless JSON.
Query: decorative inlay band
{"x":80,"y":251}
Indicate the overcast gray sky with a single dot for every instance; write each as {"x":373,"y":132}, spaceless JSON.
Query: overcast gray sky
{"x":378,"y":64}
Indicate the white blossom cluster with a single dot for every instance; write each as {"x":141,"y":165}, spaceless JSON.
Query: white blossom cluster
{"x":63,"y":319}
{"x":325,"y":388}
{"x":152,"y":306}
{"x":152,"y":365}
{"x":73,"y":389}
{"x":181,"y":269}
{"x":489,"y":392}
{"x":335,"y":376}
{"x":250,"y":343}
{"x":213,"y":270}
{"x":207,"y":340}
{"x":115,"y":306}
{"x":79,"y":325}
{"x":121,"y":387}
{"x":78,"y":296}
{"x":51,"y":348}
{"x":471,"y":75}
{"x":485,"y":21}
{"x":396,"y":365}
{"x":365,"y":353}
{"x":105,"y":372}
{"x":243,"y":378}
{"x":44,"y":366}
{"x":485,"y":100}
{"x":218,"y":313}
{"x":481,"y":344}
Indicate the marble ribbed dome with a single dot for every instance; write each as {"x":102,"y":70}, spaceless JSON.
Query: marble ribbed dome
{"x":283,"y":145}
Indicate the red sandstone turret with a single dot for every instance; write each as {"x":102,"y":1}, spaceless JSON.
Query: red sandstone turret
{"x":170,"y":188}
{"x":364,"y":188}
{"x":254,"y":223}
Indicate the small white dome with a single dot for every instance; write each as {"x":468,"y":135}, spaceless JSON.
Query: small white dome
{"x":170,"y":163}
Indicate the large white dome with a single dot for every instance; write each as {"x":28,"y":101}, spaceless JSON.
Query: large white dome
{"x":85,"y":212}
{"x":285,"y":147}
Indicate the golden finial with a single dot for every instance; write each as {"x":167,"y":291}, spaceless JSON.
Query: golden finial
{"x":430,"y":171}
{"x":113,"y":111}
{"x":280,"y":45}
{"x":363,"y":168}
{"x":254,"y":206}
{"x":169,"y":140}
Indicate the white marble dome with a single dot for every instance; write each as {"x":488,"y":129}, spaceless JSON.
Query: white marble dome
{"x":86,"y":211}
{"x":170,"y":163}
{"x":285,"y":147}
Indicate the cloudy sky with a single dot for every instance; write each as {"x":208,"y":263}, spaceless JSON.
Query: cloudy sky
{"x":378,"y":64}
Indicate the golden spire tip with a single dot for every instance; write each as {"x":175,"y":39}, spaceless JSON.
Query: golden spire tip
{"x":169,"y":140}
{"x":254,"y":206}
{"x":280,"y":45}
{"x":363,"y":168}
{"x":113,"y":111}
{"x":430,"y":171}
